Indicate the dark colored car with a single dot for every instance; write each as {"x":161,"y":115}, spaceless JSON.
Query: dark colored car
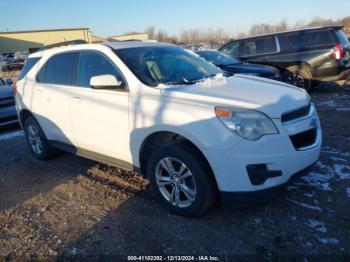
{"x":303,"y":57}
{"x":235,"y":66}
{"x":8,"y":114}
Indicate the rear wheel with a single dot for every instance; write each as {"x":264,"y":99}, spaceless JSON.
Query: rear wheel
{"x":36,"y":139}
{"x":298,"y":76}
{"x":181,"y":180}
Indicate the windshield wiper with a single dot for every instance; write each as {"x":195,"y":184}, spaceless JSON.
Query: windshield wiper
{"x":181,"y":83}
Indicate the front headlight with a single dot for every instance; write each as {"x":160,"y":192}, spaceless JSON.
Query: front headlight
{"x":249,"y":124}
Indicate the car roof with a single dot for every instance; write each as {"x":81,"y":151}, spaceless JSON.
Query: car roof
{"x":336,"y":27}
{"x":113,"y":45}
{"x":133,"y":44}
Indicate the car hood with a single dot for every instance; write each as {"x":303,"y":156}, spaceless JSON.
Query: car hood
{"x":270,"y":97}
{"x":249,"y":68}
{"x":5,"y":91}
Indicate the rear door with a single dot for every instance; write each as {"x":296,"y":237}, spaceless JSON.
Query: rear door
{"x":259,"y":49}
{"x":50,"y":99}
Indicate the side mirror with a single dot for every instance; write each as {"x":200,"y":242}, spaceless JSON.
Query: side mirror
{"x":9,"y":82}
{"x":105,"y":82}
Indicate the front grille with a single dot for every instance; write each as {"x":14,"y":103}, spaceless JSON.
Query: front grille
{"x":304,"y":139}
{"x":8,"y":119}
{"x":6,"y":98}
{"x":295,"y":114}
{"x":7,"y":103}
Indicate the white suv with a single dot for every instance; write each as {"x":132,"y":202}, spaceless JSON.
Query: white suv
{"x":164,"y":111}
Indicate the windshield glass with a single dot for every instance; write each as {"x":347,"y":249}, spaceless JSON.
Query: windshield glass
{"x":156,"y":65}
{"x":218,"y":58}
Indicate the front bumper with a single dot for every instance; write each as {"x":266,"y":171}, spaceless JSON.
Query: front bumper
{"x":276,"y":157}
{"x":239,"y":200}
{"x":8,"y":116}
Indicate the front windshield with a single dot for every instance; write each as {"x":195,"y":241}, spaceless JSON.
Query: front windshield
{"x":218,"y":58}
{"x":156,"y":65}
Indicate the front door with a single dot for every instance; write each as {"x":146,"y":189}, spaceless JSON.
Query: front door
{"x":100,"y":117}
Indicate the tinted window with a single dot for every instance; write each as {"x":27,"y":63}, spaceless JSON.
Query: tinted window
{"x":231,"y":49}
{"x":166,"y":65}
{"x":40,"y":77}
{"x":342,"y":38}
{"x":310,"y":39}
{"x":261,"y":45}
{"x":58,"y":70}
{"x":93,"y":64}
{"x":28,"y":65}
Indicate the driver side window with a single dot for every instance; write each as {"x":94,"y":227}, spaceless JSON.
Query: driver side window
{"x":92,"y":64}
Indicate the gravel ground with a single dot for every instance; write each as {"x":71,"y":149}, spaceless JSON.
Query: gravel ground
{"x":71,"y":206}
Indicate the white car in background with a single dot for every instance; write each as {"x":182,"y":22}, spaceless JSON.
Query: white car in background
{"x":159,"y":109}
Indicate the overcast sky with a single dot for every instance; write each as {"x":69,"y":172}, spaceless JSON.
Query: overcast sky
{"x":112,"y":17}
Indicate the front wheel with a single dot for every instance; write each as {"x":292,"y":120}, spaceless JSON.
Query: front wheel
{"x":181,"y":180}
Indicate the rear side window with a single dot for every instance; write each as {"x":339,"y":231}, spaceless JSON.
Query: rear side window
{"x":342,"y":38}
{"x":58,"y":70}
{"x":261,"y":45}
{"x":306,"y":39}
{"x":94,"y":64}
{"x":231,"y":49}
{"x":28,"y":65}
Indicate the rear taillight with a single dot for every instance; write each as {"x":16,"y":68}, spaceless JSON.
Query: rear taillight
{"x":14,"y":87}
{"x":338,"y":52}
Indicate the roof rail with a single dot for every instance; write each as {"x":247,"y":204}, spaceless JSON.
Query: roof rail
{"x":65,"y":43}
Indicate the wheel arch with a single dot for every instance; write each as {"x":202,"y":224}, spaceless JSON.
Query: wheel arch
{"x":302,"y":65}
{"x":23,"y":115}
{"x":159,"y":138}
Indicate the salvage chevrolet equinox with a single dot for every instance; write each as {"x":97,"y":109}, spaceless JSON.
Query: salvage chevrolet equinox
{"x":163,"y":111}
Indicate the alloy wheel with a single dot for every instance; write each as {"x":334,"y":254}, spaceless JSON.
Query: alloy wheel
{"x":175,"y":182}
{"x":295,"y":80}
{"x":34,"y":139}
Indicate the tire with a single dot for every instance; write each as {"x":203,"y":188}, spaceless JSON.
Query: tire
{"x":298,"y":76}
{"x":36,"y":139}
{"x":197,"y":185}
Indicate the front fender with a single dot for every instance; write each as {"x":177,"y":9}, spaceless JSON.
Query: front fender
{"x":197,"y":124}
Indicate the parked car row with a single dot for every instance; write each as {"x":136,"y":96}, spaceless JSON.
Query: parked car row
{"x":8,"y":114}
{"x":12,"y":62}
{"x":232,"y":65}
{"x":304,"y":57}
{"x":199,"y":135}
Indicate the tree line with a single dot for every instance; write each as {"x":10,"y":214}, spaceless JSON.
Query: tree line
{"x":196,"y":36}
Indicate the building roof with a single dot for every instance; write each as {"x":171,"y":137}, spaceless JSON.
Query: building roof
{"x":46,"y":30}
{"x":97,"y":39}
{"x":132,"y":44}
